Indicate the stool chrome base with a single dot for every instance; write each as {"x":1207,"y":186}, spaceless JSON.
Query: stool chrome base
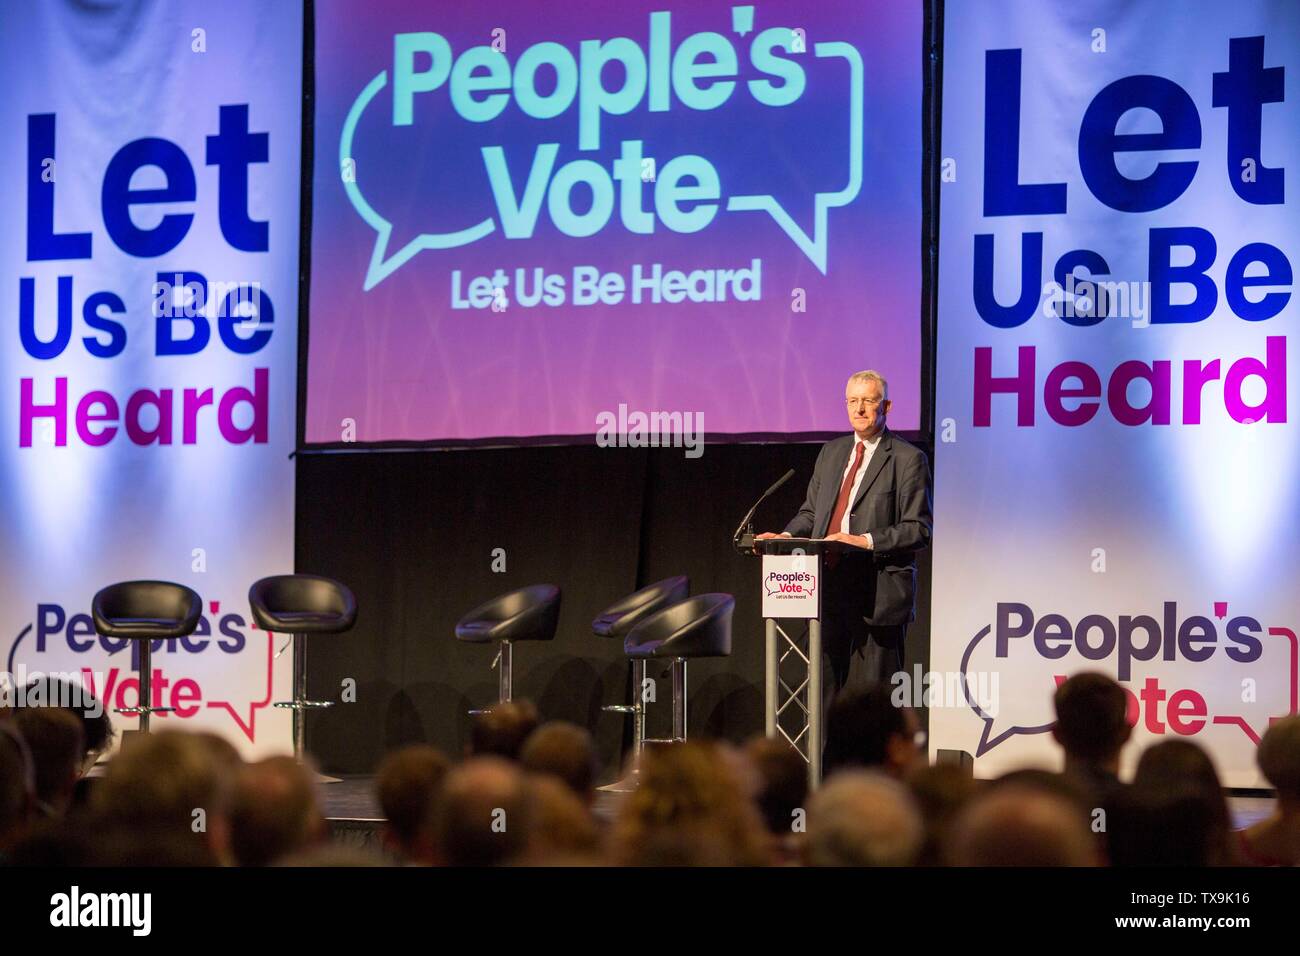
{"x":300,"y":705}
{"x":503,"y":664}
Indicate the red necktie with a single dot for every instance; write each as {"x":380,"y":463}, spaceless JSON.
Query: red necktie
{"x":842,"y":502}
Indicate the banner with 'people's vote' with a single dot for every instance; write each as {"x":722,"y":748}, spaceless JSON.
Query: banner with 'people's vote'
{"x":149,"y":283}
{"x":1117,"y":457}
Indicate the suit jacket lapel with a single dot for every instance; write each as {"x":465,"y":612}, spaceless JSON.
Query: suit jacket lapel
{"x":879,"y":458}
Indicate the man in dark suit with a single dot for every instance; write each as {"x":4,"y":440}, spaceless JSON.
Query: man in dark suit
{"x":870,"y":491}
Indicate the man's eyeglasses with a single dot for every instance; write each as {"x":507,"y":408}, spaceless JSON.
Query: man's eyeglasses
{"x":855,"y":402}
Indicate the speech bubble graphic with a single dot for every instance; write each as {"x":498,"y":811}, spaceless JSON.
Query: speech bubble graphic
{"x":987,"y":738}
{"x":249,"y":726}
{"x":814,"y":246}
{"x":1240,"y":721}
{"x":381,"y":264}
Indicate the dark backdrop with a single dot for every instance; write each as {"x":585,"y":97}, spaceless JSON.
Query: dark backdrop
{"x":413,"y":534}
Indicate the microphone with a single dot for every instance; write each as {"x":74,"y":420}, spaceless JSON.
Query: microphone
{"x":743,"y":539}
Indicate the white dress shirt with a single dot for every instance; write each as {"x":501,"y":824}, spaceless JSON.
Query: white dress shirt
{"x":857,"y":482}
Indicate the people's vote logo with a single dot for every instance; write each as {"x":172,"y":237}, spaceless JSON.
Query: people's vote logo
{"x":58,"y":642}
{"x":790,"y":585}
{"x":681,"y":194}
{"x":1214,"y":669}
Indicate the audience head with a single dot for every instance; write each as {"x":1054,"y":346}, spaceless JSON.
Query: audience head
{"x":48,"y":691}
{"x":869,"y":729}
{"x":17,"y":786}
{"x":164,"y":784}
{"x":502,"y":730}
{"x":690,"y":808}
{"x":1174,"y":813}
{"x":273,"y":812}
{"x":1017,"y":824}
{"x":940,"y":792}
{"x":1165,"y":823}
{"x":560,"y":828}
{"x":565,"y":751}
{"x":1279,"y":759}
{"x":409,"y":783}
{"x":863,"y":818}
{"x":482,"y":818}
{"x":1183,"y":763}
{"x":1091,"y":720}
{"x":782,"y":782}
{"x":54,"y":739}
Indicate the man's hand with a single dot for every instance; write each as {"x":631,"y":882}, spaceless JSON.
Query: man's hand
{"x":764,"y":536}
{"x":860,"y":541}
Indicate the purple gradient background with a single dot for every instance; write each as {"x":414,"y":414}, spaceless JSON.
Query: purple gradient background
{"x":402,"y":364}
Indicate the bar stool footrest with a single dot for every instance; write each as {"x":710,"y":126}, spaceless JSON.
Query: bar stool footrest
{"x":303,"y":704}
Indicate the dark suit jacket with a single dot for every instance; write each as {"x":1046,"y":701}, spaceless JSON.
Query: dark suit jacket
{"x":893,"y":505}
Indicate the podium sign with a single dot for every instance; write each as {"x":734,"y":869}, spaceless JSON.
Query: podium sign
{"x":792,"y":586}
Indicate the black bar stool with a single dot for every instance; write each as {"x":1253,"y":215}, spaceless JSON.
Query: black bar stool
{"x":529,"y":614}
{"x":302,"y":604}
{"x":146,"y":611}
{"x":697,"y":627}
{"x":617,"y":620}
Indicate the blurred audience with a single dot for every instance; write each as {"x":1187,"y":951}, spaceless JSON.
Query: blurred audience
{"x":863,"y":818}
{"x":561,"y":831}
{"x":48,"y":691}
{"x":940,"y":792}
{"x":1019,"y":824}
{"x":782,"y":794}
{"x":1182,"y":815}
{"x":501,"y":730}
{"x":690,"y":808}
{"x":1092,"y":728}
{"x":1275,"y":841}
{"x":482,"y":818}
{"x":564,"y":751}
{"x":409,"y":784}
{"x":525,"y":795}
{"x":166,"y":800}
{"x":274,"y":812}
{"x":17,"y":788}
{"x":866,"y":729}
{"x":55,"y":739}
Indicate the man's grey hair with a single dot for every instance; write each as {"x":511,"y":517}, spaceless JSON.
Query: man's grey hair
{"x":871,"y":376}
{"x":863,"y":818}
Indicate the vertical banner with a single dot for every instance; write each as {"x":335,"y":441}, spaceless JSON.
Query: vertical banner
{"x":149,"y":283}
{"x":1117,"y":465}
